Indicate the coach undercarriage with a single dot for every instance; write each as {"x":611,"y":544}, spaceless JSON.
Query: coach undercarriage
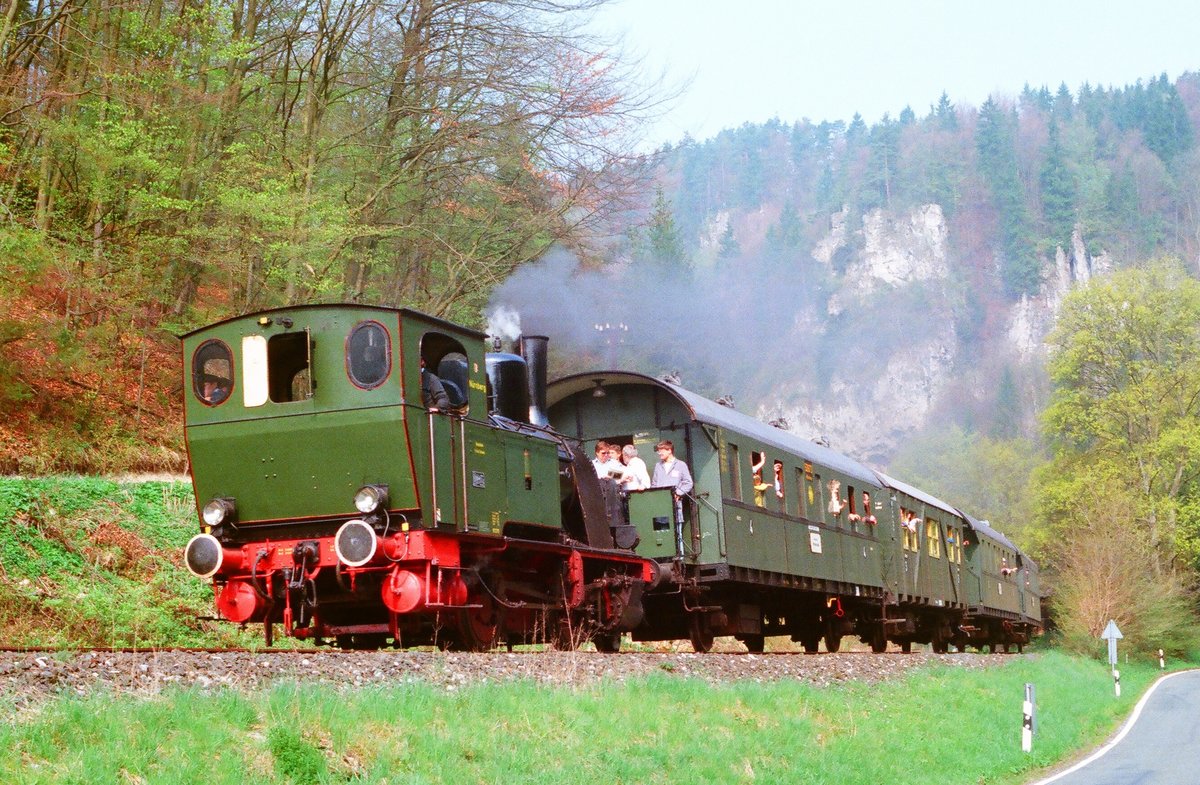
{"x":751,"y":606}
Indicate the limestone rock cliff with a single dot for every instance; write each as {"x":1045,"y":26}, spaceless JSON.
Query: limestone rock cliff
{"x":914,"y":357}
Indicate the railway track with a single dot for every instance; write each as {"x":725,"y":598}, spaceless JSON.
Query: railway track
{"x":29,"y":676}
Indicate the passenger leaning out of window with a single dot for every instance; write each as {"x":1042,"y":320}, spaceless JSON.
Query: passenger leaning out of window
{"x":868,"y":515}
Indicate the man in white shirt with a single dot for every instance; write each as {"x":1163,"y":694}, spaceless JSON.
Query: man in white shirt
{"x":637,"y":477}
{"x":606,"y":463}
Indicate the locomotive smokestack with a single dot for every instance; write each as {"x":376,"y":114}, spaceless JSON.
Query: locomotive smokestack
{"x":534,"y":349}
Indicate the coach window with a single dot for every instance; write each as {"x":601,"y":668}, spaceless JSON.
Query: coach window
{"x":816,"y":502}
{"x":953,"y":548}
{"x":810,"y":493}
{"x":732,"y":467}
{"x":912,"y":536}
{"x":212,"y":372}
{"x":757,"y":461}
{"x":800,"y":509}
{"x":779,"y":486}
{"x":368,"y":355}
{"x":932,"y":539}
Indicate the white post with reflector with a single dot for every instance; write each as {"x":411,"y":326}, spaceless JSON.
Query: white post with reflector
{"x":1027,"y":720}
{"x":1112,"y":635}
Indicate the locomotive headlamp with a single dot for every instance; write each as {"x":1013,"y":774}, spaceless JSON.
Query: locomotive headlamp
{"x":355,"y":543}
{"x":218,"y":511}
{"x":370,"y":498}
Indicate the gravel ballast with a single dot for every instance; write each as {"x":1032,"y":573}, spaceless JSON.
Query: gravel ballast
{"x":29,"y":678}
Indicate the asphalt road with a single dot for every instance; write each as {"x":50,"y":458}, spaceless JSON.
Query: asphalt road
{"x":1159,"y":745}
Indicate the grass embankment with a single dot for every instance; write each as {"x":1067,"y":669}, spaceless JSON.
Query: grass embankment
{"x":944,"y":725}
{"x":90,"y":562}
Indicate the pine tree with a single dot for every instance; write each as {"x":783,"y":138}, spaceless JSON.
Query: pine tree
{"x":662,"y":237}
{"x":1063,"y":103}
{"x":788,"y":234}
{"x":944,"y":113}
{"x":1164,"y":120}
{"x":996,"y":142}
{"x":1058,"y":190}
{"x":882,"y":162}
{"x":857,"y":131}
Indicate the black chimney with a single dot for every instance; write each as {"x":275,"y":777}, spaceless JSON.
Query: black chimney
{"x":534,"y":349}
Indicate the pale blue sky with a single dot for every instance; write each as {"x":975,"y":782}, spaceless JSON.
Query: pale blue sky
{"x":750,"y":60}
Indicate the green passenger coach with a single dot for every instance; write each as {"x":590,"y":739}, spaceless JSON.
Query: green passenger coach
{"x":782,"y":536}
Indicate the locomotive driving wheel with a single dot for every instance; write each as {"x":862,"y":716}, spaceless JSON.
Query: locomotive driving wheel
{"x":607,"y":642}
{"x":477,"y":627}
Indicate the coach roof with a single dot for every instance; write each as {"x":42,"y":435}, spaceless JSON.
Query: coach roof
{"x":707,"y":412}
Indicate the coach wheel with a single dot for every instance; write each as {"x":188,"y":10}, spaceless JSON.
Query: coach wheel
{"x":879,"y":641}
{"x":833,"y":637}
{"x":755,"y":644}
{"x":607,"y":642}
{"x":700,"y":634}
{"x":906,"y":647}
{"x":811,"y":642}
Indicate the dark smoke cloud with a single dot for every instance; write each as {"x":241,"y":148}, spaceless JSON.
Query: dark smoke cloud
{"x":730,"y":328}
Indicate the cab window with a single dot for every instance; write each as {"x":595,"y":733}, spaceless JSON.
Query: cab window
{"x":289,"y":367}
{"x":443,"y":368}
{"x":212,"y":372}
{"x":453,"y":371}
{"x":368,"y":355}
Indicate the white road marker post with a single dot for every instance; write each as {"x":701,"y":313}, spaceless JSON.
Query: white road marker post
{"x":1112,"y":635}
{"x":1027,"y":720}
{"x":1162,"y":664}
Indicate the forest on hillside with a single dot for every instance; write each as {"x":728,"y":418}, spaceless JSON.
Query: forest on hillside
{"x":166,"y":164}
{"x":1016,"y":176}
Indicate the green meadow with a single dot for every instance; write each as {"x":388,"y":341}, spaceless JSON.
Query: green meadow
{"x":938,"y":725}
